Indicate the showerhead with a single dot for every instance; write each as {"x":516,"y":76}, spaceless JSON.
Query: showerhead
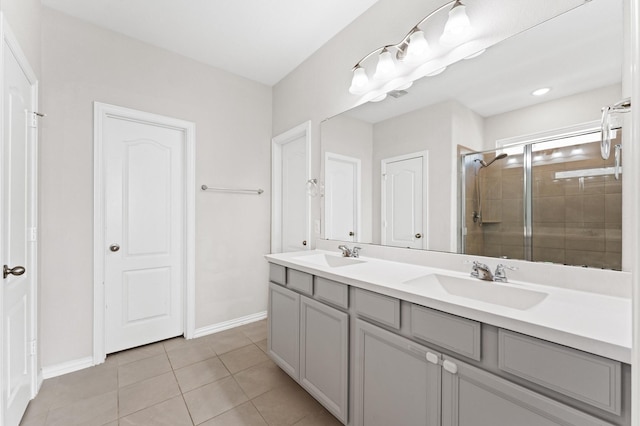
{"x":485,"y":164}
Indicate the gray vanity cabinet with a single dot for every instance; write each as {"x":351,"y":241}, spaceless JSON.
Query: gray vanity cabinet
{"x":397,"y":381}
{"x":473,"y":397}
{"x":283,"y":328}
{"x":316,"y":335}
{"x":309,"y":340}
{"x":324,"y":355}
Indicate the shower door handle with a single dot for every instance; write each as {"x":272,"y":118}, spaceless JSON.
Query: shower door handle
{"x":616,"y":169}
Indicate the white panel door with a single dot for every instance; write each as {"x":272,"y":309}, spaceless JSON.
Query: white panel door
{"x":144,"y":232}
{"x":342,"y":195}
{"x":294,"y":195}
{"x":18,"y":158}
{"x":403,"y":202}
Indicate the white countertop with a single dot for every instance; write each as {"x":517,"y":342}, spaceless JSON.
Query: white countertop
{"x":587,"y":321}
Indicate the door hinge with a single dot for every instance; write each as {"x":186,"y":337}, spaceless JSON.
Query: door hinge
{"x":32,"y":234}
{"x":33,"y":121}
{"x":33,"y":348}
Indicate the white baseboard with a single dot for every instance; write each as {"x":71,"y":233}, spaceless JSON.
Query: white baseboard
{"x":79,"y":364}
{"x":67,"y":367}
{"x":216,"y":328}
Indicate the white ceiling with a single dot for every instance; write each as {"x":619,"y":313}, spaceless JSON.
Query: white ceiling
{"x":263,"y":40}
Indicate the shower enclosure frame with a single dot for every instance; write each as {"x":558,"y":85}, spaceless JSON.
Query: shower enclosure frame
{"x":526,"y":142}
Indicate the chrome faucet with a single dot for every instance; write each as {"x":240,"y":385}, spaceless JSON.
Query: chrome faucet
{"x":347,"y":252}
{"x":481,"y":271}
{"x":500,"y":274}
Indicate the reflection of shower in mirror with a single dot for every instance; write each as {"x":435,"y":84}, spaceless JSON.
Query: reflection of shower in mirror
{"x":477,"y":214}
{"x":485,"y":164}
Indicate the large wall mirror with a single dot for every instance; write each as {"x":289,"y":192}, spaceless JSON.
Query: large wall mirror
{"x":472,"y":161}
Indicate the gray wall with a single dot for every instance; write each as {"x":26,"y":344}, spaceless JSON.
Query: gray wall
{"x":82,"y":63}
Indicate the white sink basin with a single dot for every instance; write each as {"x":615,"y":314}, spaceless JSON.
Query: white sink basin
{"x":332,"y":261}
{"x":483,"y":291}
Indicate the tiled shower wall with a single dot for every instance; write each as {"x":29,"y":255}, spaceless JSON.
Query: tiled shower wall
{"x":576,"y":221}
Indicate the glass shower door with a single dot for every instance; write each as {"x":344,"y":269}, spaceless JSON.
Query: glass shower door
{"x":576,"y":203}
{"x":493,"y":219}
{"x":549,"y":201}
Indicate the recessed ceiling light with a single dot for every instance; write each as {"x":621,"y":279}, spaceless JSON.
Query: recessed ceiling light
{"x":541,"y":91}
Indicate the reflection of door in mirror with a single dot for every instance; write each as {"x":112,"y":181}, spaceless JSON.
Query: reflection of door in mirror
{"x":404,"y":200}
{"x":342,"y":197}
{"x":290,"y":228}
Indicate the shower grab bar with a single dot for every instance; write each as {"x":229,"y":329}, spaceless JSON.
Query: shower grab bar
{"x":605,"y":124}
{"x":602,"y":171}
{"x":233,"y":190}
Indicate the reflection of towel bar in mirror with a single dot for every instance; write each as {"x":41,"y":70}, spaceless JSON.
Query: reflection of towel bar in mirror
{"x":234,"y":190}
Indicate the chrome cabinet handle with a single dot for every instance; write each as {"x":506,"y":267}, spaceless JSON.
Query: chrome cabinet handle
{"x":450,"y":366}
{"x":16,"y":270}
{"x":304,"y":243}
{"x":418,"y":235}
{"x":114,"y":247}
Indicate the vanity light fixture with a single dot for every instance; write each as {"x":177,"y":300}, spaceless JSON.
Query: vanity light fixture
{"x":542,"y":91}
{"x":386,"y":66}
{"x":400,"y":64}
{"x":457,"y":24}
{"x":418,"y":48}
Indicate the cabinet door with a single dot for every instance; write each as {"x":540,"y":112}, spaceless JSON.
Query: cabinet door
{"x":324,"y":355}
{"x":397,"y":381}
{"x":473,"y":397}
{"x":283,"y":326}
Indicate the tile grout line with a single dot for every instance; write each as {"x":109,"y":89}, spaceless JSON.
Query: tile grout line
{"x":179,"y":387}
{"x":259,"y":412}
{"x":117,"y":390}
{"x":182,"y":394}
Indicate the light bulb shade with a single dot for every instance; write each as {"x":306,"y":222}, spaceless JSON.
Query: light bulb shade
{"x":360,"y":81}
{"x":386,"y":67}
{"x":418,"y":48}
{"x":379,"y":98}
{"x":457,"y":25}
{"x":404,"y":86}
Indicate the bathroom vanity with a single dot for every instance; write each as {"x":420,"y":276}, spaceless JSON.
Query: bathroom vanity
{"x":378,"y":342}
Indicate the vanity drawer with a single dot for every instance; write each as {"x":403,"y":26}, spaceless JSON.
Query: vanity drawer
{"x":300,"y":281}
{"x":378,"y":307}
{"x":458,"y":334}
{"x":586,"y":377}
{"x":332,"y":292}
{"x":277,"y":273}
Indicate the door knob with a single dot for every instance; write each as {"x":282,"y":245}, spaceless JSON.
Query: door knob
{"x":16,"y":270}
{"x":114,"y":247}
{"x":351,"y":233}
{"x":418,"y":235}
{"x":304,"y":243}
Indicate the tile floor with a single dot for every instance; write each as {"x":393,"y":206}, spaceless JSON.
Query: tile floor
{"x":219,"y":380}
